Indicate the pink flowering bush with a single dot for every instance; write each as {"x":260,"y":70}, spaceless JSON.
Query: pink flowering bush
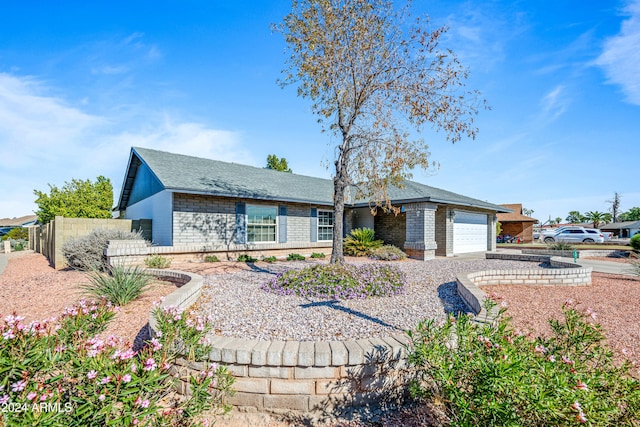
{"x":63,"y":372}
{"x":490,"y":375}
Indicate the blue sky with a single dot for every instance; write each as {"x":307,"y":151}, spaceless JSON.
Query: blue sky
{"x":82,"y":82}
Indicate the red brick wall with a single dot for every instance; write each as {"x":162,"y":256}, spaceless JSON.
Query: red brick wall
{"x":524,"y":230}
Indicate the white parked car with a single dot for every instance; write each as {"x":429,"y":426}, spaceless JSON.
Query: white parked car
{"x":574,"y":234}
{"x":550,"y":232}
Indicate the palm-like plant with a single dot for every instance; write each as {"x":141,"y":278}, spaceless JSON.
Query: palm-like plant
{"x":360,"y":242}
{"x":120,"y":285}
{"x":597,"y":218}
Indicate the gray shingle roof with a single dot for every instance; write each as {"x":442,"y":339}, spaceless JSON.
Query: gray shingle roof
{"x":620,"y":225}
{"x":194,"y":174}
{"x":182,"y":173}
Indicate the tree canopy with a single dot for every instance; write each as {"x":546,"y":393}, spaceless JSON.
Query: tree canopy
{"x":575,"y":217}
{"x":370,"y":75}
{"x":278,"y":164}
{"x":597,"y":218}
{"x":632,"y":214}
{"x":76,"y":199}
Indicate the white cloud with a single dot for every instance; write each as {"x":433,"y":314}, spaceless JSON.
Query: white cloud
{"x":132,"y":37}
{"x":44,"y":141}
{"x":111,"y":69}
{"x":35,"y":126}
{"x":620,"y":59}
{"x":480,"y":32}
{"x":554,"y":103}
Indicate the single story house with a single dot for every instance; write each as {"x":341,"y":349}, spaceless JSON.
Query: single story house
{"x":515,"y":224}
{"x":623,"y":229}
{"x":22,"y":221}
{"x":215,"y":206}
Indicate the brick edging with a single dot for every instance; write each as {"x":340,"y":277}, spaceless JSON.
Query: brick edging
{"x":300,"y":376}
{"x":187,"y":293}
{"x":583,"y":253}
{"x":285,"y":353}
{"x":314,"y":376}
{"x":565,"y":274}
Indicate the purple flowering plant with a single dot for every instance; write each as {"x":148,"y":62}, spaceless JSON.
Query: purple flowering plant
{"x":345,"y":281}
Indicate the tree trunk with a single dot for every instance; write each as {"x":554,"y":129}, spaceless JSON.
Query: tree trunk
{"x":337,"y":255}
{"x":339,"y":187}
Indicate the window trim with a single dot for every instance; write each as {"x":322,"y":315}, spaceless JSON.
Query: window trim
{"x":333,"y":224}
{"x":247,"y":225}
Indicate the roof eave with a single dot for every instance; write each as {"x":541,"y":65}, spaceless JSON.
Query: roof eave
{"x":495,"y":208}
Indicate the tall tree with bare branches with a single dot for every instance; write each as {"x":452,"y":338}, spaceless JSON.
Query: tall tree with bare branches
{"x":372,"y":73}
{"x":615,"y":206}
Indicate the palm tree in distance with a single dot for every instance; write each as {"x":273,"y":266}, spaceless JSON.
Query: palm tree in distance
{"x":575,"y":217}
{"x":597,"y":218}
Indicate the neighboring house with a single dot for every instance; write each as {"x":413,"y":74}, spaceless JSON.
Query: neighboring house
{"x":622,"y":229}
{"x":22,"y":221}
{"x":208,"y":205}
{"x":515,"y":224}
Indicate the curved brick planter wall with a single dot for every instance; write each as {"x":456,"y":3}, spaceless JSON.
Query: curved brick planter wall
{"x":316,"y":378}
{"x":584,"y":253}
{"x":311,"y":378}
{"x":189,"y":289}
{"x":564,"y":274}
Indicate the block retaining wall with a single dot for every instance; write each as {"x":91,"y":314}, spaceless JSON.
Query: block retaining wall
{"x":585,"y":253}
{"x":301,"y":376}
{"x":319,"y":379}
{"x":564,"y":274}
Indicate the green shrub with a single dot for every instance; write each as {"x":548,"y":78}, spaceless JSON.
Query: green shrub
{"x":85,"y":379}
{"x":560,"y":246}
{"x":211,"y":258}
{"x":18,"y":233}
{"x":157,"y":261}
{"x":246,"y":258}
{"x":87,"y":253}
{"x":360,"y":242}
{"x":119,"y":285}
{"x":317,"y":255}
{"x":489,"y":375}
{"x":295,"y":257}
{"x":269,"y":259}
{"x":339,"y":281}
{"x":635,"y":242}
{"x":17,"y":244}
{"x":387,"y":253}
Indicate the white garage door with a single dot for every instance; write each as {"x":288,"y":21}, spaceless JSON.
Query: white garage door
{"x":469,"y":232}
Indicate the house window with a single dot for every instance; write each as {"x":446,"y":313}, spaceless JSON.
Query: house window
{"x":261,"y":224}
{"x":325,"y":225}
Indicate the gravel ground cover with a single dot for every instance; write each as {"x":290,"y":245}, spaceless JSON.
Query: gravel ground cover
{"x":32,"y":288}
{"x":613,"y":298}
{"x":239,"y":308}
